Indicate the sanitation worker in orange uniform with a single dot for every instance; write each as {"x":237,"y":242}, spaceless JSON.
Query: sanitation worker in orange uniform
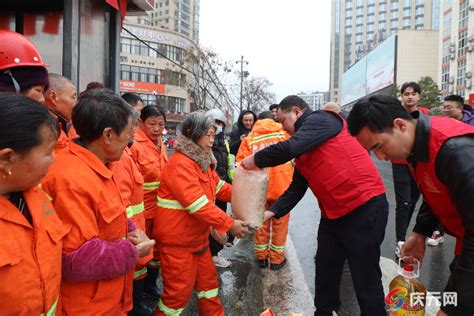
{"x":150,"y":154}
{"x":130,"y":183}
{"x":101,"y":249}
{"x":186,"y":211}
{"x":270,"y":246}
{"x":32,"y":233}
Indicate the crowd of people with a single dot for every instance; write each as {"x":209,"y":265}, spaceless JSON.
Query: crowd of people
{"x":94,"y":210}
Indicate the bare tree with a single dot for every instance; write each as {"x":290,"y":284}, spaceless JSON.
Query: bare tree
{"x":257,"y":95}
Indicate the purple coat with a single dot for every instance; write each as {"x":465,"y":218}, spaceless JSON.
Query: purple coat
{"x":467,"y":117}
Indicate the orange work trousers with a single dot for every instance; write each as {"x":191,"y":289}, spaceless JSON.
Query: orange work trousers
{"x":270,"y":239}
{"x":183,"y":271}
{"x":154,"y":263}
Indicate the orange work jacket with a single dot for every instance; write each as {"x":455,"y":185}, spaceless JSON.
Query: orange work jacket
{"x":265,"y":133}
{"x":30,"y":256}
{"x":130,"y":183}
{"x":186,"y":208}
{"x":86,"y":197}
{"x":150,"y":161}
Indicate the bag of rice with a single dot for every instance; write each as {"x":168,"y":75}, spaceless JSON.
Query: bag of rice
{"x":249,"y":194}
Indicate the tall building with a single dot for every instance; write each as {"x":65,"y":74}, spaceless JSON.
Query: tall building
{"x":315,"y":100}
{"x":358,"y":26}
{"x":181,"y":16}
{"x":456,"y":49}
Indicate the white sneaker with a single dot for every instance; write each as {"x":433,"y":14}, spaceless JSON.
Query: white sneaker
{"x":221,"y":262}
{"x":398,"y":248}
{"x":435,"y":239}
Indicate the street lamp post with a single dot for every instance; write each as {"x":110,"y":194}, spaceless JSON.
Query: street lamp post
{"x":241,"y":61}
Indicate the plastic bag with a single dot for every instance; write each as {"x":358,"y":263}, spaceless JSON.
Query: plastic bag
{"x":249,"y":194}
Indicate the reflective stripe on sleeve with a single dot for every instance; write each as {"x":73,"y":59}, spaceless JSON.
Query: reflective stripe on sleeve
{"x":220,"y":185}
{"x":139,"y":273}
{"x":207,"y":294}
{"x":175,"y":205}
{"x":149,"y":186}
{"x":136,"y":209}
{"x":52,"y":310}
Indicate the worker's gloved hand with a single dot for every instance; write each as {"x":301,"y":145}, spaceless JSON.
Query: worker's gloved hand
{"x":239,"y":229}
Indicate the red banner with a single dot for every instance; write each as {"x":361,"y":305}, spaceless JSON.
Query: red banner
{"x":141,"y":87}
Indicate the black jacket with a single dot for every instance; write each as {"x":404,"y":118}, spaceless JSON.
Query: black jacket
{"x":220,"y":153}
{"x":238,"y":131}
{"x":311,"y":130}
{"x":454,"y":166}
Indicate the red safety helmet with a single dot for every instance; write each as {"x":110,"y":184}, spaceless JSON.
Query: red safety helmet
{"x":17,"y":50}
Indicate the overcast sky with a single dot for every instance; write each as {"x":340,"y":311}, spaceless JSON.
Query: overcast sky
{"x":285,"y":41}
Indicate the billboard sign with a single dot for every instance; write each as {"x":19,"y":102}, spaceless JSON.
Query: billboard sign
{"x":381,"y":66}
{"x":354,"y":82}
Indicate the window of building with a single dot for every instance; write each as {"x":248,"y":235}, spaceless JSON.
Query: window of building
{"x":462,"y":43}
{"x":394,"y":5}
{"x":359,"y":29}
{"x":420,"y":10}
{"x":370,"y":18}
{"x":125,"y":45}
{"x":360,"y":11}
{"x":406,"y":13}
{"x":370,"y":1}
{"x":463,"y":13}
{"x":419,"y":2}
{"x":360,"y":3}
{"x":445,"y":78}
{"x":382,"y":7}
{"x":394,"y":25}
{"x":382,"y":17}
{"x":370,"y":27}
{"x":406,"y":3}
{"x":406,"y":24}
{"x":348,"y":30}
{"x":382,"y":25}
{"x":394,"y":15}
{"x":447,"y":24}
{"x":419,"y":22}
{"x":348,"y":13}
{"x":135,"y":47}
{"x":359,"y":20}
{"x":370,"y":9}
{"x":348,"y":5}
{"x":460,"y":81}
{"x":358,"y":38}
{"x":446,"y":53}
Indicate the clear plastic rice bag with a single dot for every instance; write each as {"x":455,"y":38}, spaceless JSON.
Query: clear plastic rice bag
{"x":249,"y":194}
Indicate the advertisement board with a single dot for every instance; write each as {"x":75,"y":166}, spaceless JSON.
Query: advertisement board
{"x":141,"y":87}
{"x":381,"y":66}
{"x":354,"y":82}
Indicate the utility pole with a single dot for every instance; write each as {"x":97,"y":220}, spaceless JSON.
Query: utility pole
{"x":242,"y":61}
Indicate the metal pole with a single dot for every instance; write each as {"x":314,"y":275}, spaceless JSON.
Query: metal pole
{"x":241,"y":61}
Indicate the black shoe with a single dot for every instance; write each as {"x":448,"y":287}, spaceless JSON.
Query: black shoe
{"x":263,"y":263}
{"x":278,"y":266}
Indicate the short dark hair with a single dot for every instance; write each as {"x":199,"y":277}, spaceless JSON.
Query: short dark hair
{"x":265,"y":115}
{"x":21,"y":120}
{"x":377,"y":112}
{"x":416,"y":87}
{"x":98,"y":109}
{"x":152,"y":110}
{"x":455,"y":98}
{"x":273,"y":106}
{"x":131,"y":98}
{"x":292,"y":100}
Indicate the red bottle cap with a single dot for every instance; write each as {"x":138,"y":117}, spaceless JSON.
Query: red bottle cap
{"x":408,"y":268}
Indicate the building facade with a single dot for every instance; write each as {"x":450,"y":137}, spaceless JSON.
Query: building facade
{"x":167,"y":68}
{"x":456,"y":46}
{"x":315,"y":100}
{"x":181,"y":16}
{"x":358,"y":26}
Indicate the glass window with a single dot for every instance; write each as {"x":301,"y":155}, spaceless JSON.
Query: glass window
{"x":359,"y":20}
{"x":394,"y":6}
{"x":382,"y":7}
{"x":348,"y":5}
{"x":348,"y":13}
{"x":371,"y":9}
{"x":371,"y":18}
{"x":406,"y":13}
{"x":359,"y":29}
{"x":382,"y":25}
{"x":370,"y":27}
{"x":419,"y":21}
{"x":394,"y":25}
{"x":406,"y":23}
{"x":406,"y":3}
{"x":420,"y":10}
{"x":394,"y":15}
{"x":382,"y":17}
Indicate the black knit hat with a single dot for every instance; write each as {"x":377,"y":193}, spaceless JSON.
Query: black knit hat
{"x":26,"y":77}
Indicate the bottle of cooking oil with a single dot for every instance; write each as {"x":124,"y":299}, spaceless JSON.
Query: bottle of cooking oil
{"x":407,"y":296}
